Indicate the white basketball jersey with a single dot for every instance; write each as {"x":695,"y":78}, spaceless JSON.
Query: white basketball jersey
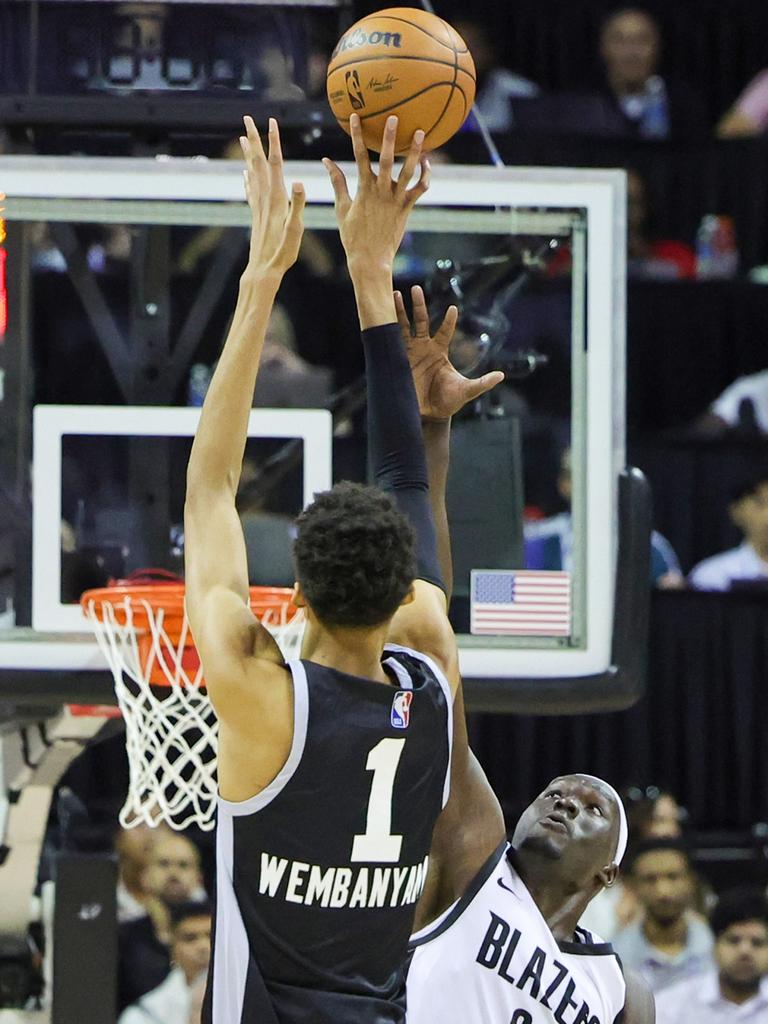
{"x":492,"y":959}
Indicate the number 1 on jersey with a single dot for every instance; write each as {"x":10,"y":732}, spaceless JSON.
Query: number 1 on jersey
{"x":378,"y":843}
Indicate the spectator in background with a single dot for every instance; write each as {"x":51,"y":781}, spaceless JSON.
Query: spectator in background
{"x":285,"y":379}
{"x":648,"y":257}
{"x":134,"y":848}
{"x":742,"y":406}
{"x":659,"y":259}
{"x":496,"y":86}
{"x":172,"y":1001}
{"x":171,"y":878}
{"x":646,"y":104}
{"x":748,"y":510}
{"x":737,"y":990}
{"x":652,"y":813}
{"x":749,"y":114}
{"x":669,"y":942}
{"x":549,"y":542}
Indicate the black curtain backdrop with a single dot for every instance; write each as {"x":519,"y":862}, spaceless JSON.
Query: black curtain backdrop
{"x":700,"y":730}
{"x":716,"y":47}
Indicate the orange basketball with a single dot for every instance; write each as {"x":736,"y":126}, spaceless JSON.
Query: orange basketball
{"x":407,"y":62}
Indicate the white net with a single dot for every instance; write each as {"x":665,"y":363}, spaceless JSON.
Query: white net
{"x":170,"y":729}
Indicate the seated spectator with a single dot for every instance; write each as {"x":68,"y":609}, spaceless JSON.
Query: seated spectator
{"x":749,"y":114}
{"x":658,"y":259}
{"x":171,"y":878}
{"x":742,"y":406}
{"x":549,"y":542}
{"x":737,"y":989}
{"x":669,"y":941}
{"x":172,"y":1001}
{"x":134,"y":847}
{"x":648,"y":257}
{"x":496,"y":86}
{"x":748,"y":510}
{"x":641,"y":102}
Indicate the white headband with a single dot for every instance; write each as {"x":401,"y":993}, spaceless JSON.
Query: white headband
{"x":621,"y":843}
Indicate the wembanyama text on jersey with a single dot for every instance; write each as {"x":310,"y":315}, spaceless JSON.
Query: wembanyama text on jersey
{"x":318,"y":876}
{"x":492,"y":959}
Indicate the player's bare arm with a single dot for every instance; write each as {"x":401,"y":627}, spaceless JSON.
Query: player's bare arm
{"x":639,"y":1007}
{"x":471,"y":826}
{"x":235,"y":649}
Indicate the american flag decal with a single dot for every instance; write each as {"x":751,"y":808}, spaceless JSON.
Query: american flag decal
{"x":520,"y":603}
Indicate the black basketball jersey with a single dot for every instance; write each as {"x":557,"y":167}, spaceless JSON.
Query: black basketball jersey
{"x":319,"y":874}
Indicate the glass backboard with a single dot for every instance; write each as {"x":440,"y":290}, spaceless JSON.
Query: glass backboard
{"x":120,"y":276}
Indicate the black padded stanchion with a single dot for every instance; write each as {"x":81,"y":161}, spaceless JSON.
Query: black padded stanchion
{"x":85,"y":940}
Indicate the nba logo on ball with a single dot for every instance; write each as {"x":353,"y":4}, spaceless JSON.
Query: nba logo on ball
{"x":401,"y":709}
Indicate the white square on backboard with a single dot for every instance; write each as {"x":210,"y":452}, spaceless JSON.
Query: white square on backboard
{"x":53,"y":422}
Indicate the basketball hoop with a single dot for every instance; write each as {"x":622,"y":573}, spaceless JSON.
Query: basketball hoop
{"x":171,"y":729}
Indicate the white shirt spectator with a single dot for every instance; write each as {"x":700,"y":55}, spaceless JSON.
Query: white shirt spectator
{"x":662,"y":970}
{"x":169,"y":1003}
{"x":128,"y":907}
{"x":717,"y":572}
{"x":698,"y":1000}
{"x":753,"y":387}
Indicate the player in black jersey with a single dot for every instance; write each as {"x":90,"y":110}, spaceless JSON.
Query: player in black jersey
{"x":332,"y":769}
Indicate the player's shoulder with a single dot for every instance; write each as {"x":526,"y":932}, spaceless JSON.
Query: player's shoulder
{"x":639,"y":1002}
{"x":494,"y":871}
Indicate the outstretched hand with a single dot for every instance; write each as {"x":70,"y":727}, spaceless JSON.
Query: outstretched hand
{"x":373,"y":223}
{"x":441,"y":390}
{"x":277,"y":223}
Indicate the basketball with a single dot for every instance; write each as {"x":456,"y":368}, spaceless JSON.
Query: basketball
{"x":406,"y":62}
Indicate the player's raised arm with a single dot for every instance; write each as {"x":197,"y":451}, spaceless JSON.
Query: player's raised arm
{"x":216,"y":571}
{"x":371,"y":228}
{"x":471,"y":825}
{"x":441,"y":392}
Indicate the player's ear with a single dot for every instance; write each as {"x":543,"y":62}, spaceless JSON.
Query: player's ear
{"x":409,"y":597}
{"x":297,"y":598}
{"x":608,"y":875}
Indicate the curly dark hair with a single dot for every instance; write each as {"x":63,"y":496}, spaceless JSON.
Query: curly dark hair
{"x":354,"y":556}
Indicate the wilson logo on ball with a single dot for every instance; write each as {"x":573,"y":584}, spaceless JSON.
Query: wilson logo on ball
{"x":357,"y":37}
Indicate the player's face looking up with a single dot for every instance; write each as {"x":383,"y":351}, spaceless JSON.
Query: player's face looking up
{"x":663,"y":883}
{"x":576,"y":824}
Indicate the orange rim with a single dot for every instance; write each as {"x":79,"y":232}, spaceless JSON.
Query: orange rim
{"x":149,"y":598}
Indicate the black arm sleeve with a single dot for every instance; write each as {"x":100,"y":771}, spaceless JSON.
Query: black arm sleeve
{"x":395,"y":445}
